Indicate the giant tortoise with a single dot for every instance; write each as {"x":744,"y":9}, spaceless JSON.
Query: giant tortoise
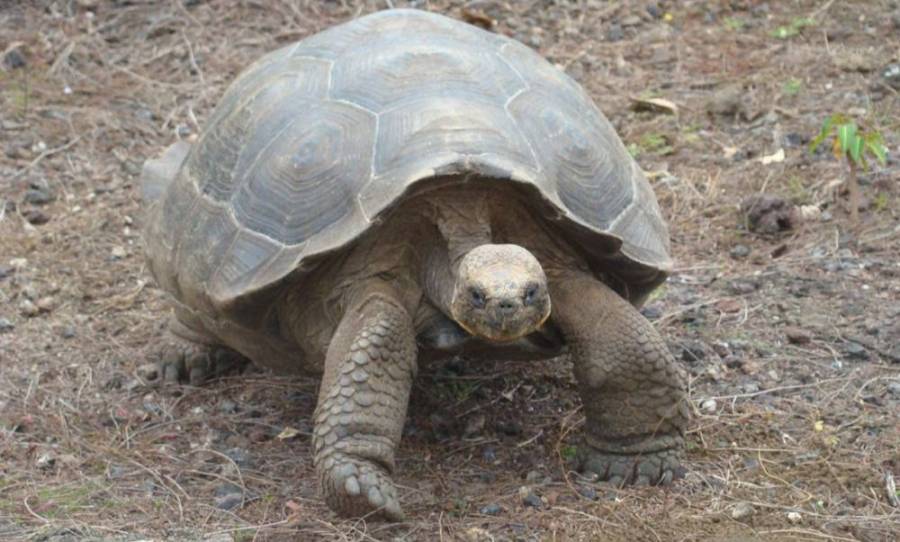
{"x":405,"y":186}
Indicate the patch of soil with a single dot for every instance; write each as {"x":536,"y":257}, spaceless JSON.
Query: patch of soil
{"x":791,"y":335}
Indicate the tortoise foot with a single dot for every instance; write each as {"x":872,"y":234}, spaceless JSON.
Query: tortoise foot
{"x":647,"y":469}
{"x":357,"y":487}
{"x":185,"y":362}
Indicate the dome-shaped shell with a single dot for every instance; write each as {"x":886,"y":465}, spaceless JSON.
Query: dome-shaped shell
{"x":315,"y":141}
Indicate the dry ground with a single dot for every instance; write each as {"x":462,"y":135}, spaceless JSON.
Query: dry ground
{"x":792,"y":439}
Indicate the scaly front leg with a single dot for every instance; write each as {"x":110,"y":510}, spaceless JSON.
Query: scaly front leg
{"x":369,"y":369}
{"x":633,"y":391}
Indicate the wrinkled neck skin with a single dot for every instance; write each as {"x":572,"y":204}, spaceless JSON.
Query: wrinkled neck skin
{"x":463,"y":225}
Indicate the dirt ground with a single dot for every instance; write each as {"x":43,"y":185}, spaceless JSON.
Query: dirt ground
{"x":792,"y":337}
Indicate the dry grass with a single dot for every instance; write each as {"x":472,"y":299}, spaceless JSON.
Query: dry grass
{"x":804,"y":434}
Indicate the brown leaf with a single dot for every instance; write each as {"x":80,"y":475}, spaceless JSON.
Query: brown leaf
{"x":478,"y":18}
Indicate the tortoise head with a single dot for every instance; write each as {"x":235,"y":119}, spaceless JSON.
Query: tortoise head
{"x":500,"y":293}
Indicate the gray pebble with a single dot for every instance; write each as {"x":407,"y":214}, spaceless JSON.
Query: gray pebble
{"x":228,"y":407}
{"x":148,"y":371}
{"x":489,"y":454}
{"x":240,"y":456}
{"x":228,"y":488}
{"x":68,"y":332}
{"x":588,"y":492}
{"x":856,"y":351}
{"x":652,"y":312}
{"x":614,"y":33}
{"x":38,"y":194}
{"x":891,"y":75}
{"x":492,"y":509}
{"x":894,"y":389}
{"x":742,"y":510}
{"x":739,"y":251}
{"x":6,"y":325}
{"x":532,"y":500}
{"x":230,"y":501}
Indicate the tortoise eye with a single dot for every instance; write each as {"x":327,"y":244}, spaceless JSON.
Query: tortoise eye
{"x":477,"y":297}
{"x":530,"y":294}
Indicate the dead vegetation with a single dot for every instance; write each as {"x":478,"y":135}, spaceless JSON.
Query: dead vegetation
{"x":791,"y":336}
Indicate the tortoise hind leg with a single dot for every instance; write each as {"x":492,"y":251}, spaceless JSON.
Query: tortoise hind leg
{"x":189,"y":355}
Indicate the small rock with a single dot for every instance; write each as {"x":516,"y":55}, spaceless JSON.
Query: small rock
{"x":45,"y":461}
{"x":118,"y":253}
{"x":742,"y":510}
{"x":229,"y":502}
{"x":227,"y":488}
{"x":749,"y":387}
{"x":709,"y":406}
{"x":729,"y":305}
{"x":652,"y":312}
{"x":894,"y":388}
{"x":793,"y":139}
{"x":693,"y":351}
{"x":891,"y":76}
{"x":739,"y":252}
{"x":489,"y":454}
{"x":743,"y":287}
{"x":856,"y":351}
{"x":492,"y":509}
{"x":240,"y":456}
{"x":728,"y":101}
{"x":631,"y":20}
{"x":798,"y":336}
{"x":532,"y":500}
{"x":768,"y":213}
{"x":474,"y":425}
{"x":588,"y":493}
{"x":510,"y":428}
{"x":14,"y":59}
{"x":68,"y":332}
{"x":28,"y":309}
{"x":38,"y":193}
{"x":46,"y":304}
{"x":614,"y":33}
{"x":6,"y":270}
{"x":733,"y":362}
{"x":534,"y":477}
{"x":794,"y":517}
{"x":116,"y":472}
{"x":36,"y":217}
{"x":228,"y":406}
{"x":6,"y":325}
{"x":148,"y":371}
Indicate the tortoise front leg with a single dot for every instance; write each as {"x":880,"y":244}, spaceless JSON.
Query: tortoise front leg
{"x":369,"y":370}
{"x":633,"y":391}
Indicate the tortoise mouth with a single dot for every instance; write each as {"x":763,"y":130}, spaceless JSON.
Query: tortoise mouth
{"x":496,"y":326}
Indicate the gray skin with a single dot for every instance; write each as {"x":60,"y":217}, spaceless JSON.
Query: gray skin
{"x":459,"y":268}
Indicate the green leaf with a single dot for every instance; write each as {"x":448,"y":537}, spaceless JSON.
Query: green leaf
{"x":823,"y":133}
{"x":856,"y":147}
{"x":847,"y":135}
{"x":878,"y":150}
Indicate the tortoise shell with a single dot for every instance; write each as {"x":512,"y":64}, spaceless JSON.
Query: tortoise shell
{"x":316,"y":141}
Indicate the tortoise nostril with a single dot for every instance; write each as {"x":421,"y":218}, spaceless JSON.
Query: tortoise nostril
{"x":507,"y":305}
